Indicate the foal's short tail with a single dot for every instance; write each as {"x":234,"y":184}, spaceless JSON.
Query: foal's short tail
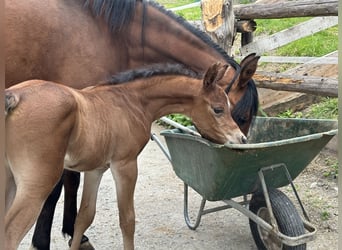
{"x":11,"y":101}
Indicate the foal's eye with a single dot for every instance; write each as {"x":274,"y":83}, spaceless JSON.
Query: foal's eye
{"x":218,"y":110}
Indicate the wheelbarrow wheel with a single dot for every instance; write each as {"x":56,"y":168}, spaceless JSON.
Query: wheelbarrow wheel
{"x":288,"y":220}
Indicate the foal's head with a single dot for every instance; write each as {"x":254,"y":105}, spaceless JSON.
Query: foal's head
{"x":211,"y":113}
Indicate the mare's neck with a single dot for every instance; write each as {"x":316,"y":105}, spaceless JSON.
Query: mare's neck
{"x":167,"y":40}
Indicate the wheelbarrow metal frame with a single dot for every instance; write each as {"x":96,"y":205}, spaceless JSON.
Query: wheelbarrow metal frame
{"x":241,"y":206}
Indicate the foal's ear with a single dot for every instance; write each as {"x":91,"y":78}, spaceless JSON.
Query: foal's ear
{"x":214,"y":74}
{"x":248,"y":67}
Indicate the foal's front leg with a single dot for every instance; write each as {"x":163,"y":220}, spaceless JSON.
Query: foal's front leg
{"x":87,"y":210}
{"x":71,"y":182}
{"x":125,"y":176}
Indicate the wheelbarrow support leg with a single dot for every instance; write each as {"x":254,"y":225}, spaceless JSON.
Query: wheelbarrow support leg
{"x":186,"y":209}
{"x":263,"y":184}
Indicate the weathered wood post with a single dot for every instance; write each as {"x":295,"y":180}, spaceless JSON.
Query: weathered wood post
{"x":219,"y":22}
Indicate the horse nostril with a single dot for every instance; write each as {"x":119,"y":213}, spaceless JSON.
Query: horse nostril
{"x":244,"y":139}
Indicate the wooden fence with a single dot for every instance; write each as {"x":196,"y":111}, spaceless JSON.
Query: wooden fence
{"x":325,"y":14}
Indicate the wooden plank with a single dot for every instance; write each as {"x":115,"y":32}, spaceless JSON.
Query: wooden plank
{"x":274,"y":101}
{"x":321,"y":86}
{"x":313,"y":78}
{"x":306,"y":8}
{"x":289,"y":35}
{"x":324,"y":70}
{"x":296,"y":59}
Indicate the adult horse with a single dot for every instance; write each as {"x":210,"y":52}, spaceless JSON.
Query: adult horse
{"x":79,"y":42}
{"x":49,"y":126}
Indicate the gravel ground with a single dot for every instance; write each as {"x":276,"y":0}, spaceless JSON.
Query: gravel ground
{"x":159,"y":211}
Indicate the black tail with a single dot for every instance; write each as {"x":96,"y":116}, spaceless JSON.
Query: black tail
{"x":11,"y":101}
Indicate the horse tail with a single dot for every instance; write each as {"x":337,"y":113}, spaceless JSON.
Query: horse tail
{"x":11,"y":101}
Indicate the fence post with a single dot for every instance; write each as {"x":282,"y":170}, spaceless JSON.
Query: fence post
{"x":219,"y":22}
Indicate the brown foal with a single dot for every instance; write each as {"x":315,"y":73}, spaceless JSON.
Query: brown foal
{"x":50,"y":127}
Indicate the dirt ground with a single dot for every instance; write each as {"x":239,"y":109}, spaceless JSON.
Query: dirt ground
{"x":159,"y":211}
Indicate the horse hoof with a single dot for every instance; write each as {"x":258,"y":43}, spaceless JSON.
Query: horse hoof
{"x":85,"y":244}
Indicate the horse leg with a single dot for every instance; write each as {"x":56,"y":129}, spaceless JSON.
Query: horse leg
{"x":42,"y":233}
{"x":125,"y":177}
{"x":87,"y":210}
{"x":32,"y":191}
{"x":71,"y":183}
{"x":20,"y":217}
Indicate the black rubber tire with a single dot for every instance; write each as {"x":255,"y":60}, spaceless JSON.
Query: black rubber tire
{"x":288,"y":220}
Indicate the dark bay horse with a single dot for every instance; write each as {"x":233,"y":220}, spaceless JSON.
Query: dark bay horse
{"x":50,"y":125}
{"x":79,"y":42}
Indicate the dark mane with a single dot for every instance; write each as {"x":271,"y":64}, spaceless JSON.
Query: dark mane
{"x":119,"y":13}
{"x":152,"y":70}
{"x":248,"y":104}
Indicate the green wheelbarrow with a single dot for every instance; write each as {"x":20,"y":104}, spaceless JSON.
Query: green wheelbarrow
{"x":278,"y":150}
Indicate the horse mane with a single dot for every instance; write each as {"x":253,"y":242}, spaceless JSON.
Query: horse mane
{"x":160,"y":69}
{"x":119,"y":13}
{"x":249,"y":103}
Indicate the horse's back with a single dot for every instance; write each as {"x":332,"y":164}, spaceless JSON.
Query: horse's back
{"x":38,"y":108}
{"x":58,"y":41}
{"x":39,"y":95}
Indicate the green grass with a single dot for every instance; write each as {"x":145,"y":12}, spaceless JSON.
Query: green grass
{"x":191,"y":14}
{"x":333,"y":168}
{"x":271,"y":26}
{"x":326,"y":109}
{"x":188,"y":14}
{"x":179,"y":118}
{"x":325,"y":215}
{"x":318,"y":44}
{"x":174,"y":3}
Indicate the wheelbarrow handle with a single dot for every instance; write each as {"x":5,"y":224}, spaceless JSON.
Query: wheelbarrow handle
{"x":179,"y":126}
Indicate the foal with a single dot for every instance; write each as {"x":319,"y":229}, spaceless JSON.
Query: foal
{"x":51,"y":126}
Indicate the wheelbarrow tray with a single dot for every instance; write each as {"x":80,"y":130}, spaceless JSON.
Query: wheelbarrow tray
{"x":222,"y":172}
